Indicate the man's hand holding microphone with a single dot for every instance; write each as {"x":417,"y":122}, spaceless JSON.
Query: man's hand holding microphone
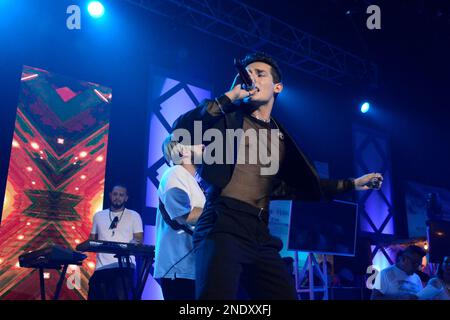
{"x":243,"y":85}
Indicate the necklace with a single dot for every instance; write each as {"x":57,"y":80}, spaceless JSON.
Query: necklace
{"x":279,"y":133}
{"x":261,"y":119}
{"x":113,"y":225}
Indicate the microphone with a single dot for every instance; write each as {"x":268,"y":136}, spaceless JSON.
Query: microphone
{"x":374,"y":183}
{"x":114,"y":223}
{"x":247,"y":83}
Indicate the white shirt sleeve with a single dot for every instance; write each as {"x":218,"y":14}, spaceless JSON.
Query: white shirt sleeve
{"x":176,"y":198}
{"x":384,"y":282}
{"x":137,"y":223}
{"x":177,"y":202}
{"x":419,"y":283}
{"x":94,"y":229}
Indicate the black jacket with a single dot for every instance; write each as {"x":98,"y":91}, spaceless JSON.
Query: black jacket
{"x":297,"y":177}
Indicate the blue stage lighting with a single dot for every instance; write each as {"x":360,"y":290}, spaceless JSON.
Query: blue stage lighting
{"x":365,"y":107}
{"x":96,"y":9}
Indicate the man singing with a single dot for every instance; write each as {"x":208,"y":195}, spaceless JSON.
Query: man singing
{"x":116,"y":224}
{"x":232,"y":239}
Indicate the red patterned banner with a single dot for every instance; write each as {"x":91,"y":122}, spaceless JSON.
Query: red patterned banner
{"x":55,"y":180}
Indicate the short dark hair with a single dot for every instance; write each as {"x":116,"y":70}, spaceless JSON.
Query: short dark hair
{"x":265,"y":58}
{"x":120,"y":185}
{"x":413,"y":249}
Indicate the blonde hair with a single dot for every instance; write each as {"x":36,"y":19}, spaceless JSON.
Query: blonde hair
{"x":172,"y":150}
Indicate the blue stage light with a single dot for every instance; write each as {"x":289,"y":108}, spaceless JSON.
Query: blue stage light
{"x":96,"y":9}
{"x":365,"y":107}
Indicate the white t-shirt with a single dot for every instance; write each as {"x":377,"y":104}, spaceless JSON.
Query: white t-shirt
{"x":180,"y":193}
{"x":442,"y":293}
{"x":395,"y":282}
{"x":128,"y":225}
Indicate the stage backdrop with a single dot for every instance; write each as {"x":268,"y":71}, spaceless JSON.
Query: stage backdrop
{"x":55,"y":180}
{"x":416,"y":206}
{"x":371,"y":151}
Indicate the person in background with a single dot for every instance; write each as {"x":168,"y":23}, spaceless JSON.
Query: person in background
{"x":399,"y":281}
{"x":116,"y":224}
{"x":442,"y":280}
{"x":181,"y":204}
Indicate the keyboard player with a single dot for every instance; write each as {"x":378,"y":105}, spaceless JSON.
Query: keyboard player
{"x":117,"y":224}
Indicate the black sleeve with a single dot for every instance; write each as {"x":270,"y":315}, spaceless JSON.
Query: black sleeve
{"x":217,"y":107}
{"x":208,"y":112}
{"x":331,"y":188}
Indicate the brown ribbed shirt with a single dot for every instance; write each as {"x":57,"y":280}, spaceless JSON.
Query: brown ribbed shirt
{"x":248,"y":183}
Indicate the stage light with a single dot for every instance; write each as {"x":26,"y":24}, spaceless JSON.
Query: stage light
{"x":96,"y":9}
{"x":365,"y":107}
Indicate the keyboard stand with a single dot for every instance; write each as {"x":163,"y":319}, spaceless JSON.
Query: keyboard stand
{"x":142,"y":274}
{"x":60,"y":281}
{"x":124,"y":282}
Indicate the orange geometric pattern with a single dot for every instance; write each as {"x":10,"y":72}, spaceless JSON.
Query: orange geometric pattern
{"x":56,"y":177}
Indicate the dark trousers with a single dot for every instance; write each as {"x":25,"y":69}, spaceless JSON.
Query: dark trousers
{"x":111,"y":284}
{"x":234,"y":248}
{"x":178,"y":289}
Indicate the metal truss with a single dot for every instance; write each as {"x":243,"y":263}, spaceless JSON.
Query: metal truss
{"x":235,"y":22}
